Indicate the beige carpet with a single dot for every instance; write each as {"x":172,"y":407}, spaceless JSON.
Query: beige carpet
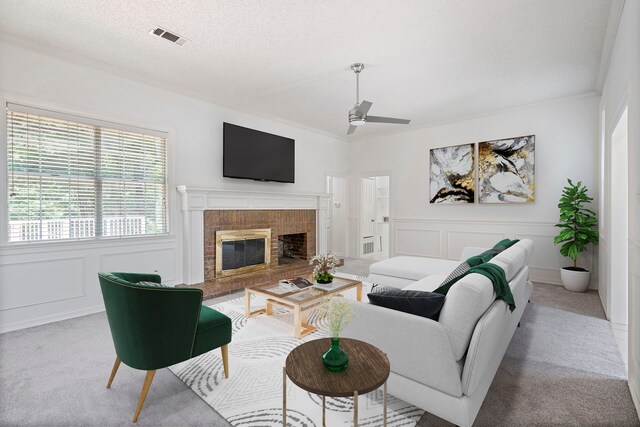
{"x":561,"y":369}
{"x":55,"y":375}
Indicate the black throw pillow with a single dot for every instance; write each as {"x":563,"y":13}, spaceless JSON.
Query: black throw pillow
{"x":420,"y":303}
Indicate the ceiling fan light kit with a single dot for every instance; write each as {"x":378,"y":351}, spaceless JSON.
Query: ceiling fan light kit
{"x":358,"y":114}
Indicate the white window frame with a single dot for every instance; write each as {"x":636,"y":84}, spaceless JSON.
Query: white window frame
{"x":88,"y":114}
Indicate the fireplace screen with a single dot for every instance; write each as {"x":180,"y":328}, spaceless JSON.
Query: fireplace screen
{"x":240,"y":251}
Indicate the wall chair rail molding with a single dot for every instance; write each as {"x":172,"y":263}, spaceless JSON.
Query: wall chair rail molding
{"x":445,"y":238}
{"x":196,"y":200}
{"x":46,"y":282}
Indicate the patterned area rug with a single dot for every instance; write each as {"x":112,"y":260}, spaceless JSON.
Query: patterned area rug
{"x":252,"y":396}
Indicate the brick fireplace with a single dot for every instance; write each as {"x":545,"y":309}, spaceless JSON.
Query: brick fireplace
{"x":287,"y":215}
{"x":296,"y":229}
{"x":293,"y":246}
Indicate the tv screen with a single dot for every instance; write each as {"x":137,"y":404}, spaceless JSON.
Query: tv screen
{"x":251,"y":154}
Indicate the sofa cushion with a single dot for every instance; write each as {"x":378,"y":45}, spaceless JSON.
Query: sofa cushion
{"x":389,"y":281}
{"x":413,"y":268}
{"x":465,"y":303}
{"x":511,"y":260}
{"x":469,"y":298}
{"x":214,"y":330}
{"x":527,"y":246}
{"x":419,"y":303}
{"x":429,"y":283}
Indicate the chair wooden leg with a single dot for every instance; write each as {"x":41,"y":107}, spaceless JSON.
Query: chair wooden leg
{"x":143,"y":394}
{"x":225,"y":359}
{"x":116,"y":365}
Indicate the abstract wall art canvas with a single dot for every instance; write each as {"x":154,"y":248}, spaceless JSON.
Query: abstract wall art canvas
{"x":452,"y":172}
{"x":506,"y":170}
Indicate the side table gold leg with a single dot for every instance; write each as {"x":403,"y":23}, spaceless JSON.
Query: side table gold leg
{"x":355,"y":409}
{"x":284,"y":396}
{"x":297,"y":322}
{"x":247,"y":303}
{"x":269,"y":309}
{"x":384,"y":411}
{"x":359,"y":292}
{"x":324,"y":417}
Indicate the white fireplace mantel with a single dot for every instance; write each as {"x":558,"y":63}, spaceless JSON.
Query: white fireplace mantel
{"x":195,"y":200}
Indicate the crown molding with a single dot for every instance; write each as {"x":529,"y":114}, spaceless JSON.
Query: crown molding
{"x":457,"y":119}
{"x":609,"y":42}
{"x":65,"y":55}
{"x":76,"y":59}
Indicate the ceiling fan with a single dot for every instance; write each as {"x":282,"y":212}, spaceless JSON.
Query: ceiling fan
{"x":358,"y":114}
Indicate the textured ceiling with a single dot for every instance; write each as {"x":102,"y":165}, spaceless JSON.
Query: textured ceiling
{"x":426,"y":60}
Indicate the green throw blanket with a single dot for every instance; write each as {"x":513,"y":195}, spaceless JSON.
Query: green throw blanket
{"x":506,"y":243}
{"x":492,"y":271}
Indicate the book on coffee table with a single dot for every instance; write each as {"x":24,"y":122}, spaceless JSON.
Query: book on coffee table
{"x":282,"y":288}
{"x":298,"y":283}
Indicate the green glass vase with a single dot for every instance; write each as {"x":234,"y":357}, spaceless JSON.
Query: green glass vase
{"x":335,"y":359}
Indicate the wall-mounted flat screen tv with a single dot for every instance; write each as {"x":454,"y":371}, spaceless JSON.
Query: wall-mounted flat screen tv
{"x":251,"y":154}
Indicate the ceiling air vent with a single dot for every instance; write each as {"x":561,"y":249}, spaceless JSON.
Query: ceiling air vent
{"x":172,"y":37}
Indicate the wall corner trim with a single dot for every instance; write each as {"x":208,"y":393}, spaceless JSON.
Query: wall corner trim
{"x":609,"y":42}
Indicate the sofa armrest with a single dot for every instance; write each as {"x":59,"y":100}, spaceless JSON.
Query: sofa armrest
{"x":418,"y":348}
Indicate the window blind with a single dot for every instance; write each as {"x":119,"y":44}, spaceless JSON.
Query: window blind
{"x":76,"y":178}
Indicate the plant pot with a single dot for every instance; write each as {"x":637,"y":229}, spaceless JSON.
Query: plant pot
{"x":575,"y":279}
{"x":327,"y":278}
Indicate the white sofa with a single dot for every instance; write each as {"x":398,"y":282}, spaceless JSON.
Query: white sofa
{"x":446,"y":367}
{"x":401,"y":271}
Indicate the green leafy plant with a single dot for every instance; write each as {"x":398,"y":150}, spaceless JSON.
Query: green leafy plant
{"x":577,"y":222}
{"x":325,"y":264}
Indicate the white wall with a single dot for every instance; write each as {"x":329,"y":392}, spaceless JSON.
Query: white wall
{"x":621,"y":90}
{"x":566,"y":147}
{"x":46,"y":282}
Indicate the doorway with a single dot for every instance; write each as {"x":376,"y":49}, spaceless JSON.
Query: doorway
{"x":337,"y":215}
{"x":619,"y":214}
{"x":374,"y":217}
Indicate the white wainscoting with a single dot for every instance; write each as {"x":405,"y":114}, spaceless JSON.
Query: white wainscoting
{"x":418,"y":242}
{"x":447,"y":238}
{"x":51,"y":281}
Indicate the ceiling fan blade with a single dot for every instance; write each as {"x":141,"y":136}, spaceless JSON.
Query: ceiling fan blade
{"x":363,"y":108}
{"x":378,"y":119}
{"x":351,"y":129}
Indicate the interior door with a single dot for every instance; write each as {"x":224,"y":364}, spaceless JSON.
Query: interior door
{"x":338,"y":214}
{"x":330,"y":230}
{"x":368,"y":215}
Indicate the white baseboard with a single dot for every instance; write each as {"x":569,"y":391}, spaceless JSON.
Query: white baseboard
{"x":49,"y":319}
{"x":635,"y":395}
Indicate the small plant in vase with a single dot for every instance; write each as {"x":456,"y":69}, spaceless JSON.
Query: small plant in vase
{"x":578,"y":226}
{"x":325,"y":266}
{"x":337,"y":313}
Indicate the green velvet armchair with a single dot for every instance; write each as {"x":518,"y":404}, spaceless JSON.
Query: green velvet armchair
{"x":154,"y":326}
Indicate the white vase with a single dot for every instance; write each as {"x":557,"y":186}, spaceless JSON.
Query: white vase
{"x":575,"y":280}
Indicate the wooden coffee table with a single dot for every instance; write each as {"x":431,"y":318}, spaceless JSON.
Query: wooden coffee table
{"x":368,"y":369}
{"x":300,"y":302}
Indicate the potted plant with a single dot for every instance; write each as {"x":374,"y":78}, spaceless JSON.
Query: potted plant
{"x":325,"y":265}
{"x":337,"y":313}
{"x":578,"y":229}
